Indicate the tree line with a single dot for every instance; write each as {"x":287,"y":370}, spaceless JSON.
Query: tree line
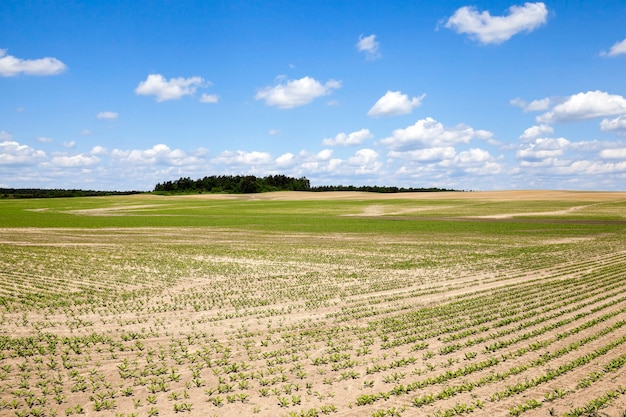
{"x":55,"y":193}
{"x":250,"y":184}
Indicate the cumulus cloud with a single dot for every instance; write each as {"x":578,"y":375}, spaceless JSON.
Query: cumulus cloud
{"x":427,"y":154}
{"x":536,"y":131}
{"x":14,"y":154}
{"x":286,"y":159}
{"x":156,"y":85}
{"x":11,"y":66}
{"x":365,"y":161}
{"x":617,"y":125}
{"x":618,"y":49}
{"x":295,"y":93}
{"x":478,"y":162}
{"x":243,"y":158}
{"x":585,"y":106}
{"x":543,"y":148}
{"x":111,"y":115}
{"x":487,"y":29}
{"x":354,"y":138}
{"x":428,"y":133}
{"x":369,"y":45}
{"x":618,"y":153}
{"x":157,"y":155}
{"x":209,"y":98}
{"x":395,"y":103}
{"x":70,"y":161}
{"x":535,"y":105}
{"x":99,"y":150}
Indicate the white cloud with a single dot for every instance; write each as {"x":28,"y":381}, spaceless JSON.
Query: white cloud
{"x":473,"y":156}
{"x":619,"y":153}
{"x":44,"y":139}
{"x":209,"y":98}
{"x":354,"y":138}
{"x":365,"y":161}
{"x":395,"y":103}
{"x":543,"y":148}
{"x":69,"y":161}
{"x":584,"y":106}
{"x":428,"y":133}
{"x":12,"y":153}
{"x":295,"y":93}
{"x":618,"y":49}
{"x":99,"y":151}
{"x":535,"y":105}
{"x":69,"y":144}
{"x":324,"y":154}
{"x":536,"y":131}
{"x":157,"y":155}
{"x":617,"y":125}
{"x":273,"y":132}
{"x":286,"y":159}
{"x":11,"y":66}
{"x":497,"y":29}
{"x":369,"y":45}
{"x":107,"y":115}
{"x":243,"y":158}
{"x":475,"y":162}
{"x":174,"y":88}
{"x":85,"y":132}
{"x":427,"y":154}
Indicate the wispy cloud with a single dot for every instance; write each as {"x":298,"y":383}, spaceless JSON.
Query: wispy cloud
{"x":111,"y":115}
{"x":535,"y":105}
{"x":209,"y":98}
{"x":617,"y":49}
{"x":295,"y":93}
{"x":369,"y":45}
{"x":488,"y":29}
{"x":11,"y":66}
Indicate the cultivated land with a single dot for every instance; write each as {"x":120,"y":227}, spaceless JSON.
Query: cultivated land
{"x":313,"y":304}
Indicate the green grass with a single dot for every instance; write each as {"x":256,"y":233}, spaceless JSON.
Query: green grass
{"x":325,"y":216}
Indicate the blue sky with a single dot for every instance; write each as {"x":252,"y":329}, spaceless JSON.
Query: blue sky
{"x":481,"y":95}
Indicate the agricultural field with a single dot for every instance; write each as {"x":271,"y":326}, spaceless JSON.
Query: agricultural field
{"x":313,"y":304}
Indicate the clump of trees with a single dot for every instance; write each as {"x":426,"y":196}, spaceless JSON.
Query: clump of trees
{"x":237,"y":184}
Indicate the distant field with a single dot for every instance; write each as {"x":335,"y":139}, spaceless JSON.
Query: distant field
{"x":313,"y":304}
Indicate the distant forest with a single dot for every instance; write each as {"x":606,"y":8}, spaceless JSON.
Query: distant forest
{"x":250,"y":184}
{"x":43,"y":193}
